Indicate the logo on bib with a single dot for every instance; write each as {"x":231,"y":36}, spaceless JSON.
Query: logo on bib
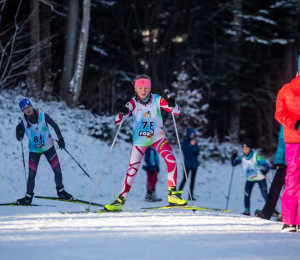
{"x":36,"y":130}
{"x":147,"y":114}
{"x":146,"y":134}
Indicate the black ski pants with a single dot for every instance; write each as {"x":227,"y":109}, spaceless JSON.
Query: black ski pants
{"x":248,"y":189}
{"x":34,"y":159}
{"x":194,"y":172}
{"x":274,"y":192}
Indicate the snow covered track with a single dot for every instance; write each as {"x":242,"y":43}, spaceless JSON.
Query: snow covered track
{"x":46,"y":234}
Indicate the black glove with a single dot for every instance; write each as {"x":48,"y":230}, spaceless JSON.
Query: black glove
{"x":171,"y":102}
{"x":61,"y":143}
{"x":19,"y":132}
{"x":279,"y":166}
{"x":124,"y":110}
{"x":234,"y":155}
{"x":263,"y":172}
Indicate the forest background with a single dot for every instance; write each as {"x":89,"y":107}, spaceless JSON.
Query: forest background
{"x":224,"y":61}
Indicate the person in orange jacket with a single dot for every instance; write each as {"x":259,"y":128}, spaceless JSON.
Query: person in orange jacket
{"x":288,"y":114}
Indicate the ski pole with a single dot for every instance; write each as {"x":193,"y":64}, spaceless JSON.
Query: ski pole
{"x":186,"y":177}
{"x":229,"y":188}
{"x":23,"y":157}
{"x":88,"y":208}
{"x":76,"y":162}
{"x":24,"y":163}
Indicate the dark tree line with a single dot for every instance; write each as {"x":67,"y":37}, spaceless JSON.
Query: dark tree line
{"x":236,"y":55}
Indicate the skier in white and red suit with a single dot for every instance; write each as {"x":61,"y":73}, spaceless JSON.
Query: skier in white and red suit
{"x":147,"y":131}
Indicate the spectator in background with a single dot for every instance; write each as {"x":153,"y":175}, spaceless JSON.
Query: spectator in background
{"x":152,"y":168}
{"x":190,"y":151}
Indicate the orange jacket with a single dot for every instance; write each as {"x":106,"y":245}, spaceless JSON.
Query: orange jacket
{"x":288,"y":110}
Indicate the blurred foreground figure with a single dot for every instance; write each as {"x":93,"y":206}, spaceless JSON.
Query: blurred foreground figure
{"x":278,"y":182}
{"x":288,"y":114}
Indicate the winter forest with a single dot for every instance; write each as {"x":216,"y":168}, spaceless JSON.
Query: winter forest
{"x":223,"y":61}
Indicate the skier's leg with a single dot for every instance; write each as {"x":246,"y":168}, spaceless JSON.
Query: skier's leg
{"x":290,"y":197}
{"x":34,"y":159}
{"x":149,"y":180}
{"x":263,"y":188}
{"x":248,"y":189}
{"x":136,"y":156}
{"x":152,"y":181}
{"x":164,"y":149}
{"x":274,"y":192}
{"x":193,"y":177}
{"x":183,"y":179}
{"x":52,"y":158}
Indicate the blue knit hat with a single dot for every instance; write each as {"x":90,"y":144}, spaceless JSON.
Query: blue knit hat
{"x":24,"y":103}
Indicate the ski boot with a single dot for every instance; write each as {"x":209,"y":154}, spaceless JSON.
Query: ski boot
{"x":117,"y":205}
{"x":277,"y":215}
{"x":62,"y":194}
{"x":149,"y":197}
{"x":174,"y":197}
{"x":246,"y":213}
{"x":288,"y":229}
{"x":154,"y":196}
{"x":298,"y":229}
{"x":258,"y":213}
{"x":26,"y":200}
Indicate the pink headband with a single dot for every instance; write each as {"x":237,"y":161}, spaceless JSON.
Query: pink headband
{"x":142,"y":82}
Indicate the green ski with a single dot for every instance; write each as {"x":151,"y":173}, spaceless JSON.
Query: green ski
{"x":189,"y":207}
{"x":73,"y":200}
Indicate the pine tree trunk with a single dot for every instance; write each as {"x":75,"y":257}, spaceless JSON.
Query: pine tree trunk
{"x":235,"y":97}
{"x":35,"y":75}
{"x":47,"y":81}
{"x":70,"y":48}
{"x":76,"y":82}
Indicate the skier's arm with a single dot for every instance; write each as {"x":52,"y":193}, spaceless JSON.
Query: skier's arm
{"x":236,"y":161}
{"x":51,"y":122}
{"x":280,"y":151}
{"x":20,"y":130}
{"x":164,"y":105}
{"x":261,"y":161}
{"x":131,"y":107}
{"x":281,"y":114}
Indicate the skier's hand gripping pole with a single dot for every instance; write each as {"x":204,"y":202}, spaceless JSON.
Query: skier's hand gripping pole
{"x":113,"y":143}
{"x":75,"y":161}
{"x":186,"y":177}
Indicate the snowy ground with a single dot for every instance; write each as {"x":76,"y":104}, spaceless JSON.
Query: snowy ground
{"x":43,"y":233}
